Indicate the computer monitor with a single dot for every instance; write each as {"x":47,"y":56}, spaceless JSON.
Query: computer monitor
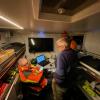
{"x":41,"y":45}
{"x":40,"y":58}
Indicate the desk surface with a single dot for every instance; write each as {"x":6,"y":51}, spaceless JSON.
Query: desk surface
{"x":50,"y":66}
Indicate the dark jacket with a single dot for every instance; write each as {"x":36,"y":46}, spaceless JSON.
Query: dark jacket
{"x":65,"y":68}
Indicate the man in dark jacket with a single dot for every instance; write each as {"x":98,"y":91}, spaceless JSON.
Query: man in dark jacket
{"x":66,"y":64}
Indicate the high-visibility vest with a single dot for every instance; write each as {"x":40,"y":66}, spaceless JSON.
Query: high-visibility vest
{"x":34,"y":76}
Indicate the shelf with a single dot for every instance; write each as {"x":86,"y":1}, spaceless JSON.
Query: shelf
{"x":20,"y":53}
{"x":5,"y":91}
{"x":9,"y":88}
{"x":85,"y":92}
{"x":3,"y":64}
{"x":6,"y":65}
{"x":23,"y":48}
{"x":91,"y":70}
{"x":12,"y":86}
{"x":87,"y":95}
{"x":9,"y":65}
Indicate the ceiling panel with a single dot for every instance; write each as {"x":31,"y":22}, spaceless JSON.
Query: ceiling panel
{"x":50,"y":26}
{"x":4,"y":24}
{"x":73,"y":4}
{"x":70,"y":6}
{"x":50,"y":3}
{"x":19,"y":11}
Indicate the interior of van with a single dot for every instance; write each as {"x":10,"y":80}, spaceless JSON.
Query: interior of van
{"x":29,"y":31}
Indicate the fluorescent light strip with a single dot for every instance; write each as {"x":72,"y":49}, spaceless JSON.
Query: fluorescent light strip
{"x":32,"y":41}
{"x":7,"y":20}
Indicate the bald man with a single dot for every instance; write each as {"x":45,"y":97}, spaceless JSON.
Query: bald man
{"x":65,"y":67}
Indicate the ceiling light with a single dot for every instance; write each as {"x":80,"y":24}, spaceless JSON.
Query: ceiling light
{"x":41,"y":34}
{"x":9,"y":21}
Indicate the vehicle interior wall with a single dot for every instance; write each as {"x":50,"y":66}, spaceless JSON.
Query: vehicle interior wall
{"x":3,"y":38}
{"x":92,"y":43}
{"x":23,"y":38}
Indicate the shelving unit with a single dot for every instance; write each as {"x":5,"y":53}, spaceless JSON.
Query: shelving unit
{"x":12,"y":89}
{"x":91,"y":70}
{"x":6,"y":67}
{"x":94,"y":74}
{"x":7,"y":61}
{"x":87,"y":95}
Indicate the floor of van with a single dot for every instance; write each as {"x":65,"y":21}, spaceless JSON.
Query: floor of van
{"x":74,"y":93}
{"x":47,"y":94}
